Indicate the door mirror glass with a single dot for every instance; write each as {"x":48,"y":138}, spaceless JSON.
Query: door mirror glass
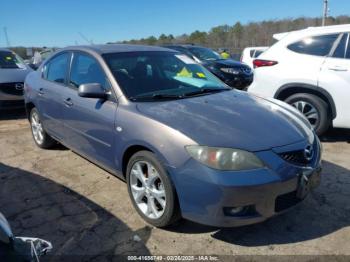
{"x":92,"y":90}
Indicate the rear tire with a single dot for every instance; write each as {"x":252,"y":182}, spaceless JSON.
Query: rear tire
{"x":41,"y":138}
{"x":314,"y":109}
{"x":143,"y":198}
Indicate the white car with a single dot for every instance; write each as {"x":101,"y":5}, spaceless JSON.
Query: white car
{"x":250,"y":53}
{"x":309,"y":69}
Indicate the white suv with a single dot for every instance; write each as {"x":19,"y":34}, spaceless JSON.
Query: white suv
{"x":250,"y":53}
{"x":309,"y":69}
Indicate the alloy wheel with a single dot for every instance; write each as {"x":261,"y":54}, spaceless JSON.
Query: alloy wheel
{"x":37,"y":128}
{"x":147,"y":189}
{"x":309,"y":111}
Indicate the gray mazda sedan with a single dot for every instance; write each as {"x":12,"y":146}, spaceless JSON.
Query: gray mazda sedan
{"x":186,"y":144}
{"x":13,"y":71}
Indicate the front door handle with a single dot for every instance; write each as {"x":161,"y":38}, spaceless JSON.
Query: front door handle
{"x":41,"y":92}
{"x":338,"y":68}
{"x":68,"y":102}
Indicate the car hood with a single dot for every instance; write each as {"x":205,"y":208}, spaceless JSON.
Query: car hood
{"x":8,"y":75}
{"x":224,"y":63}
{"x":230,"y":119}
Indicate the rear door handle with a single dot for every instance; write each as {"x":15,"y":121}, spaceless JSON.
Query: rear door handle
{"x":68,"y":102}
{"x":338,"y":68}
{"x":41,"y":92}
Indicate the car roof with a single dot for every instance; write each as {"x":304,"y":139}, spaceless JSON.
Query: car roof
{"x":5,"y":50}
{"x":256,"y":48}
{"x":315,"y":31}
{"x":116,"y":48}
{"x":184,"y":46}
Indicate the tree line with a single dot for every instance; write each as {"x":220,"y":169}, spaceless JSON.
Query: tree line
{"x":232,"y":37}
{"x":238,"y":36}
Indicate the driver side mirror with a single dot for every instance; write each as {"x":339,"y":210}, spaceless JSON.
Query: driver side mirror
{"x":33,"y":66}
{"x":92,"y":90}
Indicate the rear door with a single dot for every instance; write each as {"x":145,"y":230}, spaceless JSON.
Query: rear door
{"x":309,"y":55}
{"x":335,"y":78}
{"x":50,"y":92}
{"x":89,"y":122}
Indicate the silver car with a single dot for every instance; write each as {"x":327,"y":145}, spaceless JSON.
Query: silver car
{"x":13,"y":71}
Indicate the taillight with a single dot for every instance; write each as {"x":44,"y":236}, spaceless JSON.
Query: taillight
{"x":260,"y":62}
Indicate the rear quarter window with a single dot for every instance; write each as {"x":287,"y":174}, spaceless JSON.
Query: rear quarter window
{"x":315,"y":45}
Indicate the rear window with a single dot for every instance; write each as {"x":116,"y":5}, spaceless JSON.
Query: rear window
{"x":316,"y":45}
{"x":257,"y":53}
{"x":10,"y":60}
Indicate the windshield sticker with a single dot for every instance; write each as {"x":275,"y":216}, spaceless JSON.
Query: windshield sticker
{"x":8,"y":58}
{"x":202,"y":75}
{"x":185,"y":73}
{"x":185,"y":59}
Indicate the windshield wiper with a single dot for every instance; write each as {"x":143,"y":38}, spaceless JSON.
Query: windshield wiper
{"x":206,"y":91}
{"x":156,"y":97}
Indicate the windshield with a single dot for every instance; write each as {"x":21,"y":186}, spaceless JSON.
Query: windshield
{"x":205,"y":53}
{"x":10,"y":60}
{"x":167,"y":75}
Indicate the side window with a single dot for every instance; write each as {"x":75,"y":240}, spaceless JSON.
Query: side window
{"x":257,"y":53}
{"x":316,"y":45}
{"x":85,"y":70}
{"x":251,"y":53}
{"x":339,"y":52}
{"x":56,"y":69}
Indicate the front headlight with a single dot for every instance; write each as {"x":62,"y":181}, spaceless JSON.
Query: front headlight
{"x":232,"y":71}
{"x":225,"y":158}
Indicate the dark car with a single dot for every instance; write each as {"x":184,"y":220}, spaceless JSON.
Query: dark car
{"x":233,"y":73}
{"x":186,"y":143}
{"x":13,"y":71}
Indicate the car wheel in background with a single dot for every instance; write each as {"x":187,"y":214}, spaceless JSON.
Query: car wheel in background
{"x":314,"y":109}
{"x":151,"y":190}
{"x":41,"y":138}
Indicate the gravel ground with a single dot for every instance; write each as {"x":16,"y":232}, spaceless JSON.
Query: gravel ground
{"x":61,"y":197}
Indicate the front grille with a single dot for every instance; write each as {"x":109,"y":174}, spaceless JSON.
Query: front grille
{"x":12,"y":88}
{"x":295,"y":157}
{"x":286,"y":201}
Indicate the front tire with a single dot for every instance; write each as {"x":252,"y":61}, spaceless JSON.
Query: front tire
{"x":41,"y":138}
{"x":314,"y":109}
{"x":151,"y":191}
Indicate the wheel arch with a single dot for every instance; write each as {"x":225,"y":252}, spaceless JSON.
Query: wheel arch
{"x":129,"y":152}
{"x":293,"y":88}
{"x":28,"y":107}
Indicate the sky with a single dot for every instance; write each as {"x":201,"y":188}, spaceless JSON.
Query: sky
{"x":61,"y":22}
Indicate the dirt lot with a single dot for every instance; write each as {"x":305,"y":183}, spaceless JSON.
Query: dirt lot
{"x":59,"y":196}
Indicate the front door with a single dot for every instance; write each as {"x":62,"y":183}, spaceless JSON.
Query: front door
{"x":89,"y":122}
{"x":335,"y":78}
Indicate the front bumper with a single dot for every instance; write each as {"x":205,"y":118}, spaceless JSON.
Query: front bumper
{"x":239,"y":82}
{"x":11,"y":104}
{"x":206,"y":194}
{"x":10,"y":97}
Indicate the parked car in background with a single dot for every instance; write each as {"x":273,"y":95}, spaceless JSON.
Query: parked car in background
{"x":250,"y":53}
{"x":186,"y":144}
{"x":309,"y":69}
{"x":13,"y":71}
{"x":39,"y":57}
{"x":233,"y":73}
